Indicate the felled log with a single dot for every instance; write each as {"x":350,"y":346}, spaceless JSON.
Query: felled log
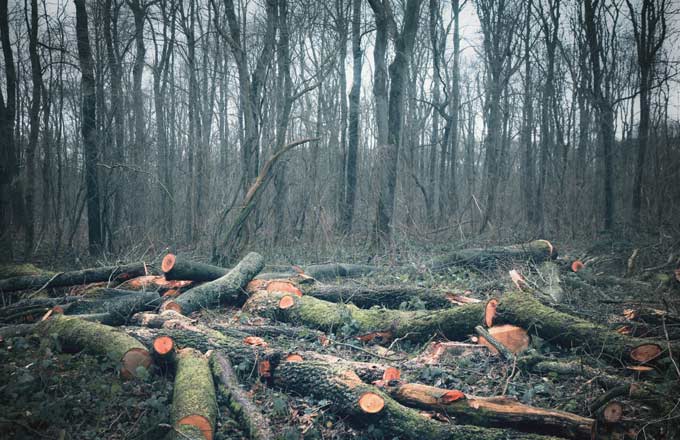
{"x":391,"y":297}
{"x":76,"y":334}
{"x":493,"y":411}
{"x":366,"y":404}
{"x":225,"y":290}
{"x":251,"y":418}
{"x":178,"y":268}
{"x":157,"y":283}
{"x":107,"y":273}
{"x":454,"y":323}
{"x":193,"y":401}
{"x":332,"y":271}
{"x":520,"y":308}
{"x":118,"y":305}
{"x":489,"y":258}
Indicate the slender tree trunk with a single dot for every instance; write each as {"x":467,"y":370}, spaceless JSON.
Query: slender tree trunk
{"x":89,"y":129}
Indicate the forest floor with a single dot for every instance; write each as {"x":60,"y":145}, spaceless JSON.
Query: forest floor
{"x":48,"y":394}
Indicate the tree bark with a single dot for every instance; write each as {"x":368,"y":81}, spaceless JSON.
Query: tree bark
{"x":225,"y":290}
{"x":194,"y":405}
{"x":85,"y":276}
{"x":89,"y":130}
{"x":491,"y":257}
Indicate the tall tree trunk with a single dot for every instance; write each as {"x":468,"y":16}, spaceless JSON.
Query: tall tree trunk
{"x":139,"y":150}
{"x":36,"y":78}
{"x":527,"y":176}
{"x":89,"y":129}
{"x":350,"y":171}
{"x":398,"y":70}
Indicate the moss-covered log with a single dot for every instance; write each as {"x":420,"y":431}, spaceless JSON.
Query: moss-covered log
{"x":493,"y":411}
{"x":520,"y":308}
{"x":20,"y":270}
{"x":193,"y":399}
{"x":490,"y":257}
{"x":453,"y":323}
{"x":251,"y":418}
{"x":343,"y":389}
{"x":225,"y":290}
{"x":108,"y":273}
{"x":391,"y":297}
{"x":76,"y":334}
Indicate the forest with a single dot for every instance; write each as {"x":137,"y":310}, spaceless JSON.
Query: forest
{"x":288,"y":219}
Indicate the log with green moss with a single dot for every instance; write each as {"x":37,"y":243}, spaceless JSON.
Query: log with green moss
{"x":366,"y":405}
{"x":227,"y":289}
{"x":193,"y":399}
{"x":453,"y":323}
{"x":504,"y":412}
{"x":391,"y":297}
{"x":522,"y":309}
{"x":490,"y":257}
{"x":113,"y":274}
{"x":242,"y":406}
{"x":20,"y":270}
{"x":76,"y":335}
{"x":517,"y":308}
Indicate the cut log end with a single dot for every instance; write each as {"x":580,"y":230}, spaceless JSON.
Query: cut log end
{"x":645,"y":353}
{"x":371,"y":403}
{"x":200,"y":422}
{"x":132,"y":360}
{"x":612,"y":412}
{"x":264,"y":369}
{"x":577,"y":265}
{"x":390,"y":374}
{"x":255,"y":340}
{"x":490,"y":312}
{"x":172,"y":305}
{"x":286,"y":302}
{"x":451,"y":396}
{"x":283,"y":287}
{"x":163,"y":345}
{"x":293,"y":358}
{"x":514,"y":338}
{"x":168,"y":263}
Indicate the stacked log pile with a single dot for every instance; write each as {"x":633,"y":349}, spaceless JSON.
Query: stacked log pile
{"x":165,"y":333}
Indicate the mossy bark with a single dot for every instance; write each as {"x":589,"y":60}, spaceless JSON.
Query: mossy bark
{"x":225,"y":290}
{"x":194,"y":391}
{"x":391,"y":297}
{"x":494,"y":412}
{"x":119,"y":305}
{"x":76,"y":334}
{"x":490,"y":257}
{"x":20,"y":270}
{"x":520,"y":308}
{"x":342,"y":388}
{"x":97,"y":274}
{"x":453,"y":323}
{"x":240,"y":404}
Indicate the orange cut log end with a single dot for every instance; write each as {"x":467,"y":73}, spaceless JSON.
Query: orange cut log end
{"x":172,"y":305}
{"x":255,"y":340}
{"x":264,"y":368}
{"x":284,"y":287}
{"x":171,"y":293}
{"x":451,"y":396}
{"x":293,"y":357}
{"x":490,"y":312}
{"x":645,"y":352}
{"x":163,"y":345}
{"x":577,"y":265}
{"x":514,"y":338}
{"x":201,"y":422}
{"x":58,"y":310}
{"x":133,"y":359}
{"x":391,"y":373}
{"x":168,"y":263}
{"x":286,"y":302}
{"x":613,"y":412}
{"x":371,"y":403}
{"x":256,"y":285}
